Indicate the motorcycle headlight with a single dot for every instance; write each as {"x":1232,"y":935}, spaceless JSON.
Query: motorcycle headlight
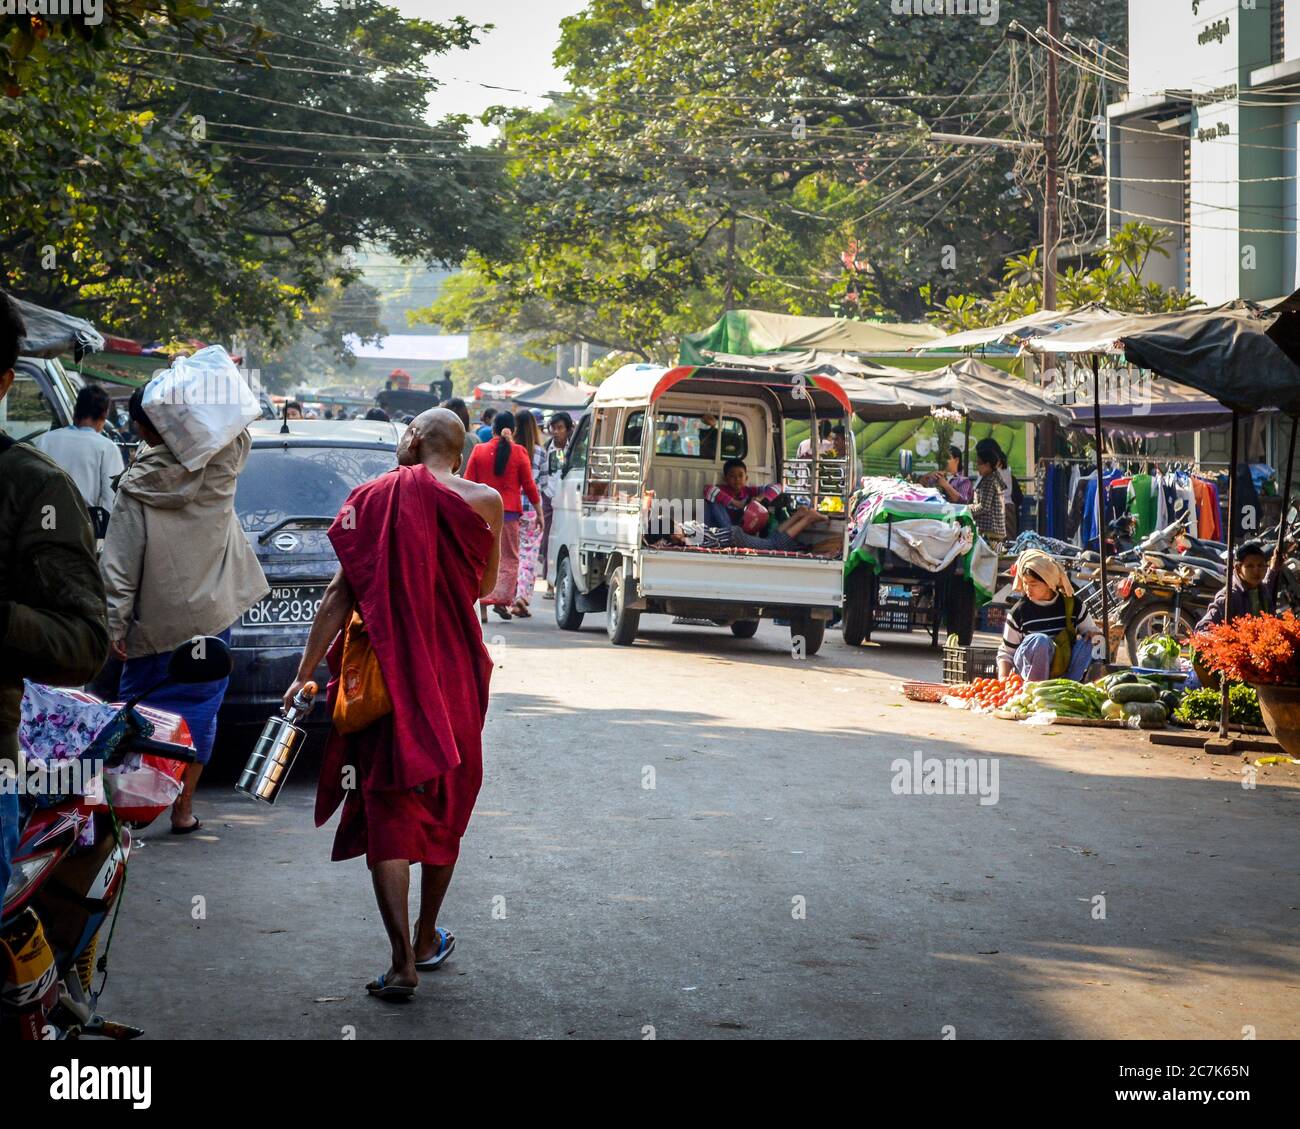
{"x":24,"y":876}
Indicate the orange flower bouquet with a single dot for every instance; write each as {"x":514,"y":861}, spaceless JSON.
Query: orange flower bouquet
{"x":1258,"y":649}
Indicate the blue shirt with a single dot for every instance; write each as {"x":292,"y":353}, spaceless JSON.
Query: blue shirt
{"x":484,"y":433}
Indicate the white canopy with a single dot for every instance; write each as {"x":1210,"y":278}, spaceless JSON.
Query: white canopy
{"x":1018,"y":330}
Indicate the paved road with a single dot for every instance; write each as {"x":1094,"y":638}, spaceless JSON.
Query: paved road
{"x":589,"y":905}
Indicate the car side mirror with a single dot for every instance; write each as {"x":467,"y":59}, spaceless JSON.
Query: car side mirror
{"x":205,"y":658}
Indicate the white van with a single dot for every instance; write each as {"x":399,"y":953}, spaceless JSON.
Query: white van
{"x":638,"y":465}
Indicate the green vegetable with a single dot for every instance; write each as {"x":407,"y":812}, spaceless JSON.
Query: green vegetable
{"x":1203,"y":705}
{"x":1159,"y":651}
{"x":1170,"y":699}
{"x":1133,"y":692}
{"x":1112,"y":711}
{"x":1150,"y":715}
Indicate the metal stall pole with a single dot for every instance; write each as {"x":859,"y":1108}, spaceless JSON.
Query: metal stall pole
{"x":1101,"y":509}
{"x":1232,"y":552}
{"x":1282,"y":524}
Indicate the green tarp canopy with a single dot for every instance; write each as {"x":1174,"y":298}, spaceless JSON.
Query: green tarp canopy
{"x":749,"y":333}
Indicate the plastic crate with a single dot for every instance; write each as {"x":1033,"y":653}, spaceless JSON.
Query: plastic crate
{"x":991,"y":617}
{"x":965,"y":664}
{"x":893,"y":619}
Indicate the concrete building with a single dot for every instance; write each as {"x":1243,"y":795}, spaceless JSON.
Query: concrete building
{"x":1204,"y":144}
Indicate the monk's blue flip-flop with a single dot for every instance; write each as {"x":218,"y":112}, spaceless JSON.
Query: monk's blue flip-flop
{"x":446,"y":942}
{"x":382,"y":990}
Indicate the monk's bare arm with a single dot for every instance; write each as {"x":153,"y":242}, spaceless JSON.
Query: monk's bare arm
{"x":488,"y":506}
{"x":335,"y":608}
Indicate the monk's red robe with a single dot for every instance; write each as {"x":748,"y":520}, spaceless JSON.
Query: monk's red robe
{"x":413,"y":552}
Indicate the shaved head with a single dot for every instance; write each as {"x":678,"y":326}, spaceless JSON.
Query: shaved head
{"x":436,"y":436}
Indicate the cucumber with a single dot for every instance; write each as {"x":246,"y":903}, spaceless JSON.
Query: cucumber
{"x":1133,"y":692}
{"x":1170,"y":699}
{"x":1149,"y":715}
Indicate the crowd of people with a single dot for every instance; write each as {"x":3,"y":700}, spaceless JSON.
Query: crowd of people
{"x":175,"y":565}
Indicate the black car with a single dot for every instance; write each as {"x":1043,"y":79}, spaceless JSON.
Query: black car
{"x":287,"y":497}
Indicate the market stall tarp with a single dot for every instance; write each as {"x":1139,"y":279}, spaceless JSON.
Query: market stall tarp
{"x":556,"y":395}
{"x":1228,"y":355}
{"x":806,"y":360}
{"x":751,"y":332}
{"x":920,"y":526}
{"x":1143,"y":405}
{"x":981,"y":392}
{"x":51,"y":334}
{"x":1010,"y":333}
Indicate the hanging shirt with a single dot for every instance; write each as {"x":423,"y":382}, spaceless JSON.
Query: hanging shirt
{"x":1095,"y":515}
{"x":1205,"y":519}
{"x":1186,"y":500}
{"x":1142,"y":505}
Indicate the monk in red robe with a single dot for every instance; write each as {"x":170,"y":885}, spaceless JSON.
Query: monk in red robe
{"x":417,"y":548}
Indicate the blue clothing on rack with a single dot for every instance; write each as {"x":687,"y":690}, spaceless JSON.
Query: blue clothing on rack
{"x":1088,"y":528}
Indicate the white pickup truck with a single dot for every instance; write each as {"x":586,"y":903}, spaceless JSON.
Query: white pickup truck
{"x":638,"y":466}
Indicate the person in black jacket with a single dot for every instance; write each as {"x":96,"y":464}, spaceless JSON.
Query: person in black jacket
{"x":53,"y":617}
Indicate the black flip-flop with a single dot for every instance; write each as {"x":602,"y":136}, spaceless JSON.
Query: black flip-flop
{"x":187,"y":830}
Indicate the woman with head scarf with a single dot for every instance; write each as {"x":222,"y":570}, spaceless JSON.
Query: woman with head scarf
{"x":1048,"y":634}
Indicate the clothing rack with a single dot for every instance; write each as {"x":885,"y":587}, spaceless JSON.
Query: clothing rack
{"x":1177,"y":462}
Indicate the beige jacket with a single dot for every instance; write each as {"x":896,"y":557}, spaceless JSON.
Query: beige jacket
{"x":176,"y":563}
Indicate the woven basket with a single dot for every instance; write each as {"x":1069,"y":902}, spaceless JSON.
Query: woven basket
{"x":925,"y":691}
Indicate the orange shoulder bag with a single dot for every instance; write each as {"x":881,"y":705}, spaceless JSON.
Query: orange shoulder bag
{"x":363,"y":698}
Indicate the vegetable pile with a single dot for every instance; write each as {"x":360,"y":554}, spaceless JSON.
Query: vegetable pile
{"x":1062,"y":696}
{"x":1203,"y":705}
{"x":1159,"y":652}
{"x":990,"y":693}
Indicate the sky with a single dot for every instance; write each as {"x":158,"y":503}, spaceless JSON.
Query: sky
{"x":516,"y":53}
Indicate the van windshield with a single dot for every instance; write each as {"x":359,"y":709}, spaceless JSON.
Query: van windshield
{"x":690,"y":436}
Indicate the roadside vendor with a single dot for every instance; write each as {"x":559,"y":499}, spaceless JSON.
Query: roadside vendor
{"x":1249,"y":575}
{"x":1047,"y":634}
{"x":735,"y":502}
{"x":950,"y":481}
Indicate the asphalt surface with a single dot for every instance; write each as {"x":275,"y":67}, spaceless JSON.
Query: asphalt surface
{"x":771,"y":882}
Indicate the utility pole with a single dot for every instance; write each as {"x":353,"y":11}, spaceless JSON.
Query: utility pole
{"x":1051,"y":146}
{"x":731,"y":264}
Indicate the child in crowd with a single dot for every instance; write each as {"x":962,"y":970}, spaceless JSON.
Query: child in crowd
{"x":738,"y":503}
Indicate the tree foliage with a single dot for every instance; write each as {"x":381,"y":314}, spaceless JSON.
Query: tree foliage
{"x":178,"y":187}
{"x":764,"y":153}
{"x":1115,"y":281}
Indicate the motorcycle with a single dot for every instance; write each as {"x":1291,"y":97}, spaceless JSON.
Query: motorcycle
{"x":70,"y":864}
{"x":1179,"y":577}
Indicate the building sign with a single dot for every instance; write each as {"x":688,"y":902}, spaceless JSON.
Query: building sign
{"x":1216,"y":32}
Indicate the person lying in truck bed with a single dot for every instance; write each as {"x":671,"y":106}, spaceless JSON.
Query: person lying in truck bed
{"x":782,"y":540}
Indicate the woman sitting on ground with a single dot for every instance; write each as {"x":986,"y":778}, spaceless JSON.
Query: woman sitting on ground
{"x":1047,"y":634}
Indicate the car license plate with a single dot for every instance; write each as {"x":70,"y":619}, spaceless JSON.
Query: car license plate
{"x":285,"y":606}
